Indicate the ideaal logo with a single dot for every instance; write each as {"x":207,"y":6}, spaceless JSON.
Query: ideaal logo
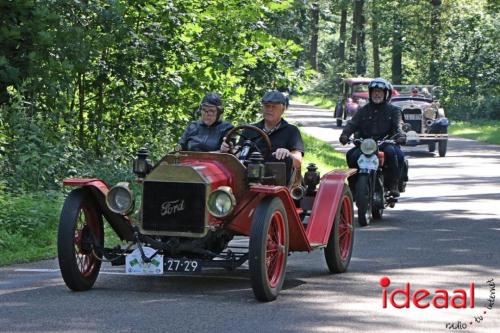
{"x":423,"y":298}
{"x":439,"y":299}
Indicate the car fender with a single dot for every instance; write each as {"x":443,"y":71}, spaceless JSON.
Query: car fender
{"x":98,"y":189}
{"x":325,"y":206}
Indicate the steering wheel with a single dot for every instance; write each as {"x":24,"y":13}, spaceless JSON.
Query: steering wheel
{"x":261,"y":133}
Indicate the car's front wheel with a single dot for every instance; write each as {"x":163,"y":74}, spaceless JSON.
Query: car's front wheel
{"x":432,"y":147}
{"x":268,"y":249}
{"x":80,"y":232}
{"x":442,"y":147}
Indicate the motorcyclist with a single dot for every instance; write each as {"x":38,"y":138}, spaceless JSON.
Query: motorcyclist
{"x":378,"y":119}
{"x":206,"y":134}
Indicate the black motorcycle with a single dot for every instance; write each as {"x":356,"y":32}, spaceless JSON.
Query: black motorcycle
{"x":371,"y":195}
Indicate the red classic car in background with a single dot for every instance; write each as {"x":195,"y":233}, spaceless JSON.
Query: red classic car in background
{"x":354,"y":95}
{"x":193,"y":205}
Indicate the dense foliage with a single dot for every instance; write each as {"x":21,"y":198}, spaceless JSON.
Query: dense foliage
{"x":85,"y":81}
{"x":449,"y":43}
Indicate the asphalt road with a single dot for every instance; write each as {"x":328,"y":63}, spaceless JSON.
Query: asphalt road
{"x":443,"y":234}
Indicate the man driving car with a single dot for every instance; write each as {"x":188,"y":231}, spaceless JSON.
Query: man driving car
{"x":285,"y":138}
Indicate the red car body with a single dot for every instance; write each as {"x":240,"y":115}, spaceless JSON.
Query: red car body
{"x":271,"y":215}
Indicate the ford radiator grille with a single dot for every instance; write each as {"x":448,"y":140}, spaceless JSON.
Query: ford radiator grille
{"x":414,"y":118}
{"x":174,"y":207}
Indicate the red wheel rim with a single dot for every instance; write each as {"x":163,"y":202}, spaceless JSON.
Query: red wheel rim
{"x":345,"y":228}
{"x":275,"y":249}
{"x":85,"y":221}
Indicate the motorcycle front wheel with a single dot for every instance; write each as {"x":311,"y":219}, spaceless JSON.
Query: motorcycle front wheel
{"x":363,"y":200}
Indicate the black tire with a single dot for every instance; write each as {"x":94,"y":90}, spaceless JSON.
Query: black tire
{"x":378,"y":210}
{"x":432,"y":147}
{"x":363,"y":200}
{"x":339,"y":122}
{"x":442,"y":147}
{"x":268,"y":253}
{"x":338,"y":250}
{"x":80,"y":228}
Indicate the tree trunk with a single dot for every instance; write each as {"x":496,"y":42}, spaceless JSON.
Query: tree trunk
{"x":397,"y":50}
{"x":314,"y":36}
{"x":360,"y":38}
{"x":352,"y":44}
{"x":81,"y":106}
{"x":435,"y":45}
{"x":343,"y":30}
{"x":376,"y":50}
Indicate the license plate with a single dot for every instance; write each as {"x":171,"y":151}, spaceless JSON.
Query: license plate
{"x":368,"y":162}
{"x":413,"y":117}
{"x":135,"y":265}
{"x":182,"y":265}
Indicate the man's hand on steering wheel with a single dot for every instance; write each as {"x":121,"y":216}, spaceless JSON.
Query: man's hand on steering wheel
{"x":281,"y":154}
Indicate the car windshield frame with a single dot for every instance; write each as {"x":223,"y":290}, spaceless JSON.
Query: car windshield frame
{"x":426,"y":92}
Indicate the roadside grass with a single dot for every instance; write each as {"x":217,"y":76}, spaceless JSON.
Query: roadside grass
{"x":28,"y":226}
{"x":481,"y":130}
{"x":322,"y":154}
{"x":29,"y":222}
{"x":316,"y":100}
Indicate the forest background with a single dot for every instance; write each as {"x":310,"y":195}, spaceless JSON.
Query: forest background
{"x":84,"y":84}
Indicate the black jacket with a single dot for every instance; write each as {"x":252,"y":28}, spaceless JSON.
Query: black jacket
{"x":200,"y":137}
{"x":375,"y":121}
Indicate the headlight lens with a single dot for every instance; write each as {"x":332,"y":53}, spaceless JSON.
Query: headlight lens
{"x":430,"y":113}
{"x":221,"y":202}
{"x":368,"y":146}
{"x":120,"y":199}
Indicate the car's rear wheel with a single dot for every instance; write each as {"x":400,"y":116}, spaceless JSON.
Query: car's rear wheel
{"x":442,"y":147}
{"x":363,"y":200}
{"x":268,"y":249}
{"x":80,"y":231}
{"x":432,"y":147}
{"x":338,"y":250}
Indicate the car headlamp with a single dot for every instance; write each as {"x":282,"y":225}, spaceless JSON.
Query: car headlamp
{"x":221,"y":202}
{"x":368,"y":146}
{"x":120,"y":199}
{"x":430,"y":113}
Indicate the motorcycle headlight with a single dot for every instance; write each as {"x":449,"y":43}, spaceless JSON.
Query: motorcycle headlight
{"x":120,"y":199}
{"x":368,"y":146}
{"x":221,"y":202}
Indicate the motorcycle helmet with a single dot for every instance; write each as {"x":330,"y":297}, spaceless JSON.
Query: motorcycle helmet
{"x":212,"y":99}
{"x":380,"y":83}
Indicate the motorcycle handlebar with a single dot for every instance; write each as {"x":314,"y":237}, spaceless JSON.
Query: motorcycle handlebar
{"x":357,"y":142}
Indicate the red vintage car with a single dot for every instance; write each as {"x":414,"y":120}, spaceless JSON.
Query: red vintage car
{"x":193,"y":204}
{"x":354,"y":95}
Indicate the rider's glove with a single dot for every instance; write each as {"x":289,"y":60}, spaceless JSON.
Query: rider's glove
{"x":344,"y":139}
{"x":401,"y":140}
